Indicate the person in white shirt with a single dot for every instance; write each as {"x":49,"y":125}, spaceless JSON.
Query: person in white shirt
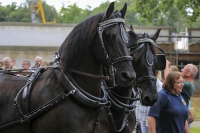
{"x":8,"y":64}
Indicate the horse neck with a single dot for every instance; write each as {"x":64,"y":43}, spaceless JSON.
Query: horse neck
{"x":87,"y":64}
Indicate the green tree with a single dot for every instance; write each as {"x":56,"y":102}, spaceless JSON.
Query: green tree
{"x":72,"y":14}
{"x":18,"y":13}
{"x":22,"y":13}
{"x":49,"y":11}
{"x":3,"y":12}
{"x":167,"y":9}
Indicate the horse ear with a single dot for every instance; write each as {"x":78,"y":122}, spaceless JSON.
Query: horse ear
{"x":155,"y":36}
{"x":131,"y":27}
{"x":123,"y":10}
{"x":110,"y":10}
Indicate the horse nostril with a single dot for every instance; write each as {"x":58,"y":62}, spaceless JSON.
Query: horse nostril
{"x":147,"y":98}
{"x":125,"y":76}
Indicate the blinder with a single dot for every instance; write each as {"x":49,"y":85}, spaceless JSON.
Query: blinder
{"x":124,"y":34}
{"x":161,"y":60}
{"x":160,"y":63}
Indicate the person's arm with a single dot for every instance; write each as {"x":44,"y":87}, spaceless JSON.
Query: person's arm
{"x":186,"y":129}
{"x":167,"y":69}
{"x":151,"y":124}
{"x":191,"y":118}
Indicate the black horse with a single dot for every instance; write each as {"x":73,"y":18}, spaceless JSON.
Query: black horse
{"x":67,"y":97}
{"x":145,"y":62}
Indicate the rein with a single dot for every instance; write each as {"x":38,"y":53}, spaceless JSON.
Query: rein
{"x":91,"y":75}
{"x":126,"y":98}
{"x":16,"y":71}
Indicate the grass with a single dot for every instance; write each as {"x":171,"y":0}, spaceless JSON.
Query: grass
{"x":195,"y":130}
{"x":195,"y":108}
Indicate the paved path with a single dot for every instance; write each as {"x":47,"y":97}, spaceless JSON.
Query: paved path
{"x":195,"y":124}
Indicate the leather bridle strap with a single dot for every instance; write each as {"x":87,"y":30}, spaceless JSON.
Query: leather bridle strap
{"x":144,"y":40}
{"x":123,"y":58}
{"x":16,"y":71}
{"x":110,"y":118}
{"x":8,"y":72}
{"x":146,"y":78}
{"x":127,"y":98}
{"x":91,"y":75}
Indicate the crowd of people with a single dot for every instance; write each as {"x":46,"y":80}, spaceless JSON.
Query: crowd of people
{"x":171,"y":113}
{"x":9,"y":64}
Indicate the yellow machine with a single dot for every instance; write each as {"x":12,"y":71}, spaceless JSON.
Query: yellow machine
{"x":35,"y":10}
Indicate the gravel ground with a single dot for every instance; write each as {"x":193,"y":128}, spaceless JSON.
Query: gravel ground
{"x":195,"y":124}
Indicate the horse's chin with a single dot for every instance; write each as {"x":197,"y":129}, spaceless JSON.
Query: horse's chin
{"x":148,"y":102}
{"x":125,"y":83}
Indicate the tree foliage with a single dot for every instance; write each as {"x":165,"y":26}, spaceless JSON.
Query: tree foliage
{"x":14,"y":13}
{"x":72,"y":14}
{"x":187,"y":10}
{"x":49,"y":11}
{"x":145,"y":12}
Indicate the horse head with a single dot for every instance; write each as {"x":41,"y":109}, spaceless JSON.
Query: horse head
{"x":144,"y":63}
{"x":113,"y":38}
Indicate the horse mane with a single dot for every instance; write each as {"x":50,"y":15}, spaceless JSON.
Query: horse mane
{"x":140,"y":53}
{"x":79,"y":38}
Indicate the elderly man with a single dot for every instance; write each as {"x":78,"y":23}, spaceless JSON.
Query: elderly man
{"x":38,"y":61}
{"x":8,"y":64}
{"x":189,"y":73}
{"x":26,"y":65}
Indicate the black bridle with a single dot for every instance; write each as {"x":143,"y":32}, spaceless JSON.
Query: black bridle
{"x":112,"y":95}
{"x":111,"y":61}
{"x":140,"y":44}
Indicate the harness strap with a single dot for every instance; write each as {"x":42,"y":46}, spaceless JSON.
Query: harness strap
{"x":48,"y":106}
{"x":28,"y":89}
{"x":12,"y":124}
{"x":146,"y":78}
{"x":14,"y":72}
{"x":97,"y":120}
{"x":127,"y":98}
{"x":116,"y":103}
{"x":38,"y":112}
{"x":123,"y":58}
{"x":91,"y":75}
{"x":27,"y":92}
{"x":110,"y":118}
